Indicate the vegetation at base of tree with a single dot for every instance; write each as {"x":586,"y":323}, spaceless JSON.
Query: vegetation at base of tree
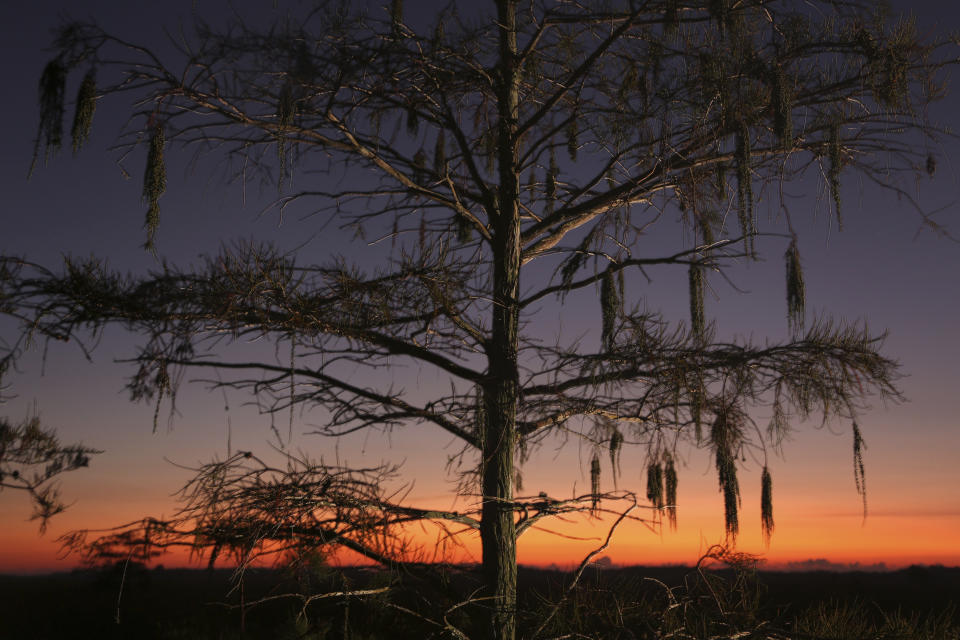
{"x":617,"y":120}
{"x":712,"y":600}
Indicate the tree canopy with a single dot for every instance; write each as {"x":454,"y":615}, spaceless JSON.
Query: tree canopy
{"x":492,"y":168}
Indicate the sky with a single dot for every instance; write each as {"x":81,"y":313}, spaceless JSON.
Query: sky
{"x":884,"y":267}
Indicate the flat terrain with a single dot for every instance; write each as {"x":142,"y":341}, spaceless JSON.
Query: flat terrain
{"x":179,"y":603}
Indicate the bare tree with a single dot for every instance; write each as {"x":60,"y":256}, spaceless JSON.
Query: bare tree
{"x":509,"y":163}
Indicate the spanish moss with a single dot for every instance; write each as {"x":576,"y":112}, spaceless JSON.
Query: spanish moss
{"x":766,"y":505}
{"x":285,"y":111}
{"x":413,"y":120}
{"x":616,"y":443}
{"x":730,"y":488}
{"x":725,"y":439}
{"x":720,"y":181}
{"x":655,"y":484}
{"x":696,"y":412}
{"x":85,"y":107}
{"x":670,"y":485}
{"x":782,"y":107}
{"x":480,"y":417}
{"x":285,"y":106}
{"x":696,"y":301}
{"x":835,"y":164}
{"x":573,"y":144}
{"x":552,"y":183}
{"x":595,"y":482}
{"x":154,"y":182}
{"x":744,"y":188}
{"x":609,"y":307}
{"x":490,"y":150}
{"x":892,"y":67}
{"x":51,"y":96}
{"x":420,"y":166}
{"x":704,"y":223}
{"x":464,"y":229}
{"x":859,"y":475}
{"x":796,"y":294}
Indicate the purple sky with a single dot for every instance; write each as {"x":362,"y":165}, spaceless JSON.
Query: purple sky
{"x":884,"y":267}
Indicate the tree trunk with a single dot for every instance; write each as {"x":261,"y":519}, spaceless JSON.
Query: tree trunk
{"x":497,"y":527}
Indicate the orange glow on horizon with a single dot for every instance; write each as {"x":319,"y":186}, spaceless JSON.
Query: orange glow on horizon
{"x":816,"y":516}
{"x":799,"y":538}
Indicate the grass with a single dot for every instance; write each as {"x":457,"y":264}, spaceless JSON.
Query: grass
{"x":630,"y":603}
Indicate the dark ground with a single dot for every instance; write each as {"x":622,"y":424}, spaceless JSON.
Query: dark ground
{"x":176,"y":603}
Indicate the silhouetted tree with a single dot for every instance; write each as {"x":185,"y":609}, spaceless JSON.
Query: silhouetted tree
{"x":510,"y":162}
{"x":31,"y":456}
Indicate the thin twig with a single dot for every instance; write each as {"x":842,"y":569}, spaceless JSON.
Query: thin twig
{"x":583,"y":565}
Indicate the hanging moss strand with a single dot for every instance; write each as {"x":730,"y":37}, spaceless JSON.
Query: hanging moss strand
{"x":420,"y":166}
{"x":595,"y":482}
{"x":744,"y":188}
{"x":573,"y":143}
{"x":696,"y":301}
{"x":551,"y":189}
{"x":720,"y":181}
{"x":655,"y":484}
{"x":464,"y":229}
{"x":670,"y":487}
{"x":154,"y":182}
{"x":706,"y":229}
{"x":722,"y":436}
{"x":782,"y":107}
{"x":609,"y":307}
{"x":50,"y":102}
{"x":413,"y":120}
{"x":85,"y":107}
{"x":480,"y":417}
{"x":616,"y":442}
{"x":859,"y":475}
{"x":834,"y":165}
{"x":730,"y":488}
{"x":285,"y":111}
{"x":766,"y":505}
{"x":796,"y":293}
{"x":696,"y":413}
{"x":490,"y":150}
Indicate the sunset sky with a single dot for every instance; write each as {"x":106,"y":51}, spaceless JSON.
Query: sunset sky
{"x":884,"y":267}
